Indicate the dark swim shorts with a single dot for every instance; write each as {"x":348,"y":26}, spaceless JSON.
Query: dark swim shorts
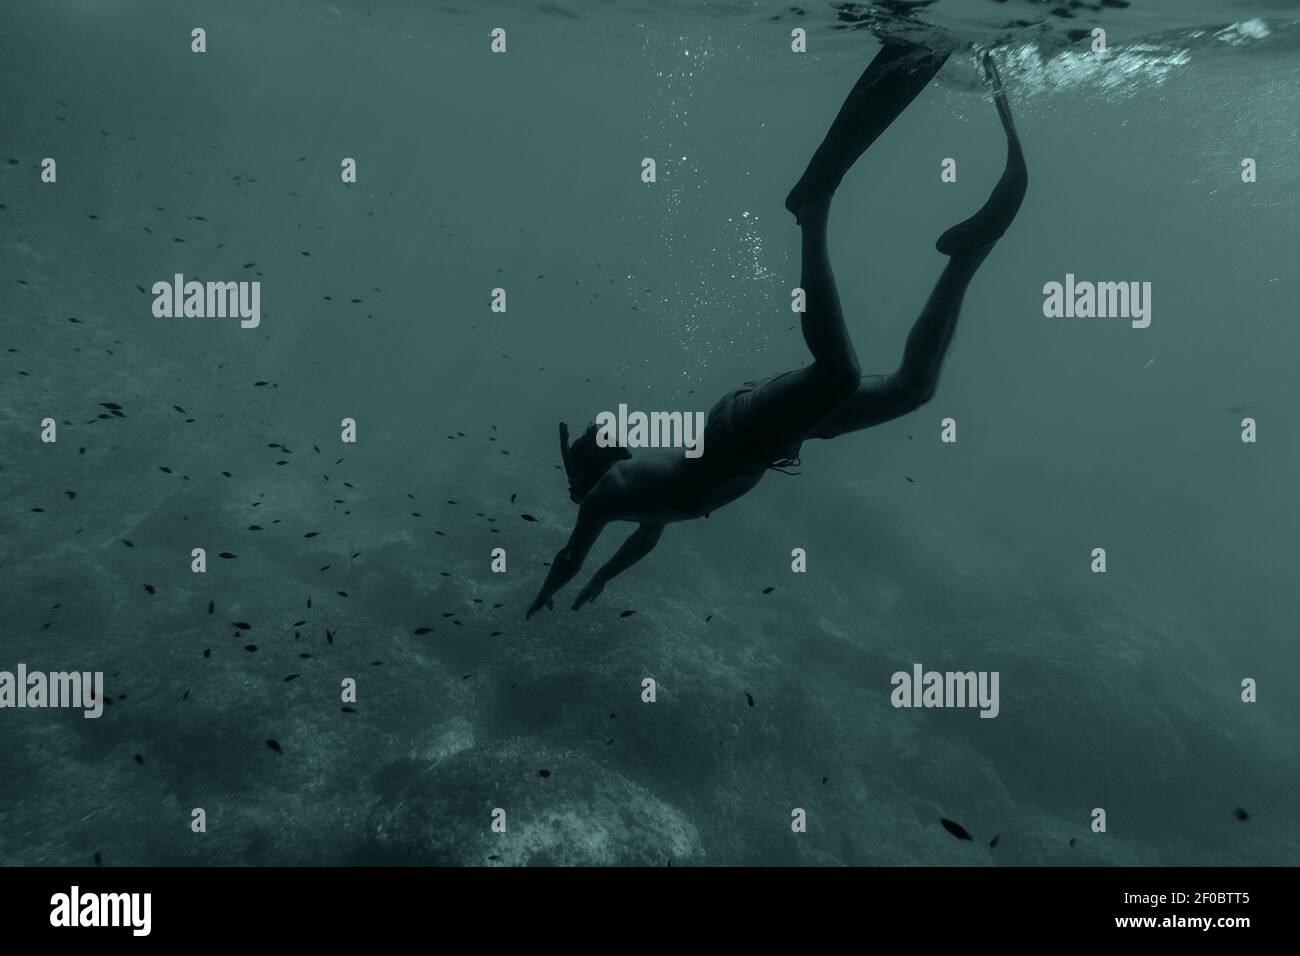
{"x":737,"y":430}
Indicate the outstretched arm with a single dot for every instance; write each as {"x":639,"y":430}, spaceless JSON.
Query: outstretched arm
{"x":639,"y":543}
{"x":568,"y":562}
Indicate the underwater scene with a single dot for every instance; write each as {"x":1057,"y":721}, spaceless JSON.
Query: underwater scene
{"x":688,"y":433}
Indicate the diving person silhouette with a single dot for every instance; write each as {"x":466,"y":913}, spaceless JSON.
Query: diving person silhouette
{"x":762,"y":425}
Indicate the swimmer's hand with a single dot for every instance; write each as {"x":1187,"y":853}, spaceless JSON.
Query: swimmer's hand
{"x":590,"y":592}
{"x":541,"y":602}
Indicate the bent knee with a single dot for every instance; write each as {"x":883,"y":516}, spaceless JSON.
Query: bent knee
{"x":915,"y":389}
{"x":841,"y":380}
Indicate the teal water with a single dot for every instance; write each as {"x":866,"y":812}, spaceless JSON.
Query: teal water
{"x":522,"y":170}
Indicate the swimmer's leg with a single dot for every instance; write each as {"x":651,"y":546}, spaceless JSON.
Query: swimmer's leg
{"x":788,"y":408}
{"x":880,"y":398}
{"x":890,"y":82}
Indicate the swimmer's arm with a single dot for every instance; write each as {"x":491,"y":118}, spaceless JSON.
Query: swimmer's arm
{"x":591,"y":521}
{"x":639,"y":543}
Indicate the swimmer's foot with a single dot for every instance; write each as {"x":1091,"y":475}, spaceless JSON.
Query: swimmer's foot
{"x":987,"y":226}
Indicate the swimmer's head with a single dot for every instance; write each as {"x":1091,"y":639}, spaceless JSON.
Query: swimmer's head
{"x":587,"y":462}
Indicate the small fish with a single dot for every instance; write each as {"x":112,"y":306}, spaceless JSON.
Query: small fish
{"x":150,"y":588}
{"x":512,"y":499}
{"x":251,"y":648}
{"x":956,"y":829}
{"x":749,"y":697}
{"x":242,"y":625}
{"x":348,"y":710}
{"x":274,"y":745}
{"x":1241,"y":814}
{"x":1073,"y":841}
{"x":164,"y":469}
{"x":527,"y":517}
{"x":626,"y":613}
{"x":341,"y":593}
{"x":543,"y":773}
{"x":994,"y":841}
{"x":909,"y":480}
{"x":299,"y":623}
{"x":423,"y":630}
{"x":139,"y":758}
{"x":768,"y":590}
{"x":128,"y":542}
{"x":329,"y":636}
{"x":212,"y":606}
{"x":227,"y":555}
{"x":311,"y":534}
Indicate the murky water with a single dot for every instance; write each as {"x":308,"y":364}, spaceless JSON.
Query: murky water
{"x":522,"y":171}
